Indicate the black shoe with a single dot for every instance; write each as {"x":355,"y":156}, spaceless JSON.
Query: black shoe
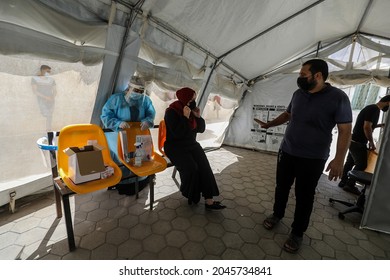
{"x":342,"y":184}
{"x":215,"y":206}
{"x":351,"y":189}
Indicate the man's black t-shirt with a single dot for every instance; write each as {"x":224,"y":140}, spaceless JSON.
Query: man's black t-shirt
{"x":369,"y":113}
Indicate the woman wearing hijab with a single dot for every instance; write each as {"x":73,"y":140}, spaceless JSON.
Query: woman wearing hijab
{"x":183,"y":122}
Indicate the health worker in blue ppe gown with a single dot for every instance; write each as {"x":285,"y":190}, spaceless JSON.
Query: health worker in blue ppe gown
{"x":132,"y":105}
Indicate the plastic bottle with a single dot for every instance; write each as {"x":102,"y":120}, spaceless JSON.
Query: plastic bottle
{"x":138,"y":154}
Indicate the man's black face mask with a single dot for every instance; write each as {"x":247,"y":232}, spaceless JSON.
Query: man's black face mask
{"x":192,"y":105}
{"x":384,"y":109}
{"x":306,"y":85}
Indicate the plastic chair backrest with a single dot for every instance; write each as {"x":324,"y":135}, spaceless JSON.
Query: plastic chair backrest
{"x":157,"y":163}
{"x":162,"y":136}
{"x":135,"y":129}
{"x":77,"y":136}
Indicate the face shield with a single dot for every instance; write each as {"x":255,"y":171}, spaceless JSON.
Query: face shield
{"x":135,"y":93}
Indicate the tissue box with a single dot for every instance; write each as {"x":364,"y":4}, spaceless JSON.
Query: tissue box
{"x":85,"y":163}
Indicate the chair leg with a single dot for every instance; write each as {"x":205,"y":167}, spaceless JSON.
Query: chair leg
{"x":352,"y":209}
{"x":358,"y":206}
{"x":68,"y":222}
{"x":152,"y":183}
{"x":57,"y":196}
{"x":174,"y":172}
{"x":349,"y":204}
{"x":136,"y":188}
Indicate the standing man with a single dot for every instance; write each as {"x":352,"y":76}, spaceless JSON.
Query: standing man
{"x":315,"y":108}
{"x":44,"y":87}
{"x":366,"y":122}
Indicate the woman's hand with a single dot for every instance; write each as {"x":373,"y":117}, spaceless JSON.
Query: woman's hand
{"x":196,"y":112}
{"x":186,"y":112}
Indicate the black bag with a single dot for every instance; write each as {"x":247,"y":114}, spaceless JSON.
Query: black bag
{"x":129,"y":189}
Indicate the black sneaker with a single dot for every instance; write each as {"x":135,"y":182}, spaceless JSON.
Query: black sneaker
{"x":215,"y":206}
{"x":351,"y":189}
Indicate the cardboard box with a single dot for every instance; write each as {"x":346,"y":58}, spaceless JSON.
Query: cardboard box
{"x":85,"y":163}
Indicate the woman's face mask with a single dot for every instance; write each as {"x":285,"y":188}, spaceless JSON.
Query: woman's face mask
{"x":306,"y":85}
{"x":192,"y":105}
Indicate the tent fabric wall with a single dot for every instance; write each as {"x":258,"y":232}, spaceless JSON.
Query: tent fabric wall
{"x":114,"y":41}
{"x":38,"y":17}
{"x":44,"y":45}
{"x":32,"y":28}
{"x":276,"y":91}
{"x":376,"y":212}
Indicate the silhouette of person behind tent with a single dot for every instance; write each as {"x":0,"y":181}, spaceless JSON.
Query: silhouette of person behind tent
{"x":44,"y":87}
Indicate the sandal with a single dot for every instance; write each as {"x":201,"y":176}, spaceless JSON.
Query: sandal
{"x":270,"y":222}
{"x":293,"y":244}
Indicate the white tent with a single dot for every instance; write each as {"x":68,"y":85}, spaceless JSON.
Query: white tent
{"x":236,"y":54}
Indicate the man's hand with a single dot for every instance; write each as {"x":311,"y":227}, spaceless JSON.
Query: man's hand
{"x":261,"y":123}
{"x":335,"y":168}
{"x":371,"y":146}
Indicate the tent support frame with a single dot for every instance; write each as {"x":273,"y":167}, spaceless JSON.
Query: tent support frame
{"x":130,"y":20}
{"x":270,"y":28}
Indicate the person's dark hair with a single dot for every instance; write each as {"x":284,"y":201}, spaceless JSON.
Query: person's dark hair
{"x":318,"y":65}
{"x":45,"y":67}
{"x":385,"y":99}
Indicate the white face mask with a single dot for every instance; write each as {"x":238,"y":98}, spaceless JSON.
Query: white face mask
{"x":47,"y":74}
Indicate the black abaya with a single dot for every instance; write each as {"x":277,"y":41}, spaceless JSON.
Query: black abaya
{"x":187,"y":155}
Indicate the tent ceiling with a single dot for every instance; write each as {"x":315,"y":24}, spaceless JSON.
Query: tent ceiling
{"x":252,"y":37}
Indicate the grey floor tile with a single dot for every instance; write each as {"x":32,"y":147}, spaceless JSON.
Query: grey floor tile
{"x":108,"y":225}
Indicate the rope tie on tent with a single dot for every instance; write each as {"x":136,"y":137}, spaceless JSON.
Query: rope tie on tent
{"x":112,"y":13}
{"x":144,"y":27}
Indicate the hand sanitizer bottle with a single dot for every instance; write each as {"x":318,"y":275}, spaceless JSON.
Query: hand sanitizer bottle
{"x":138,"y":154}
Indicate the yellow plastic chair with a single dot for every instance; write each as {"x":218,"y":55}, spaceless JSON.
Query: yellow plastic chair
{"x":162,"y":136}
{"x":77,"y":136}
{"x":155,"y":165}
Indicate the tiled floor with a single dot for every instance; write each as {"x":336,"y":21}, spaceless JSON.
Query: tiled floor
{"x":112,"y":226}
